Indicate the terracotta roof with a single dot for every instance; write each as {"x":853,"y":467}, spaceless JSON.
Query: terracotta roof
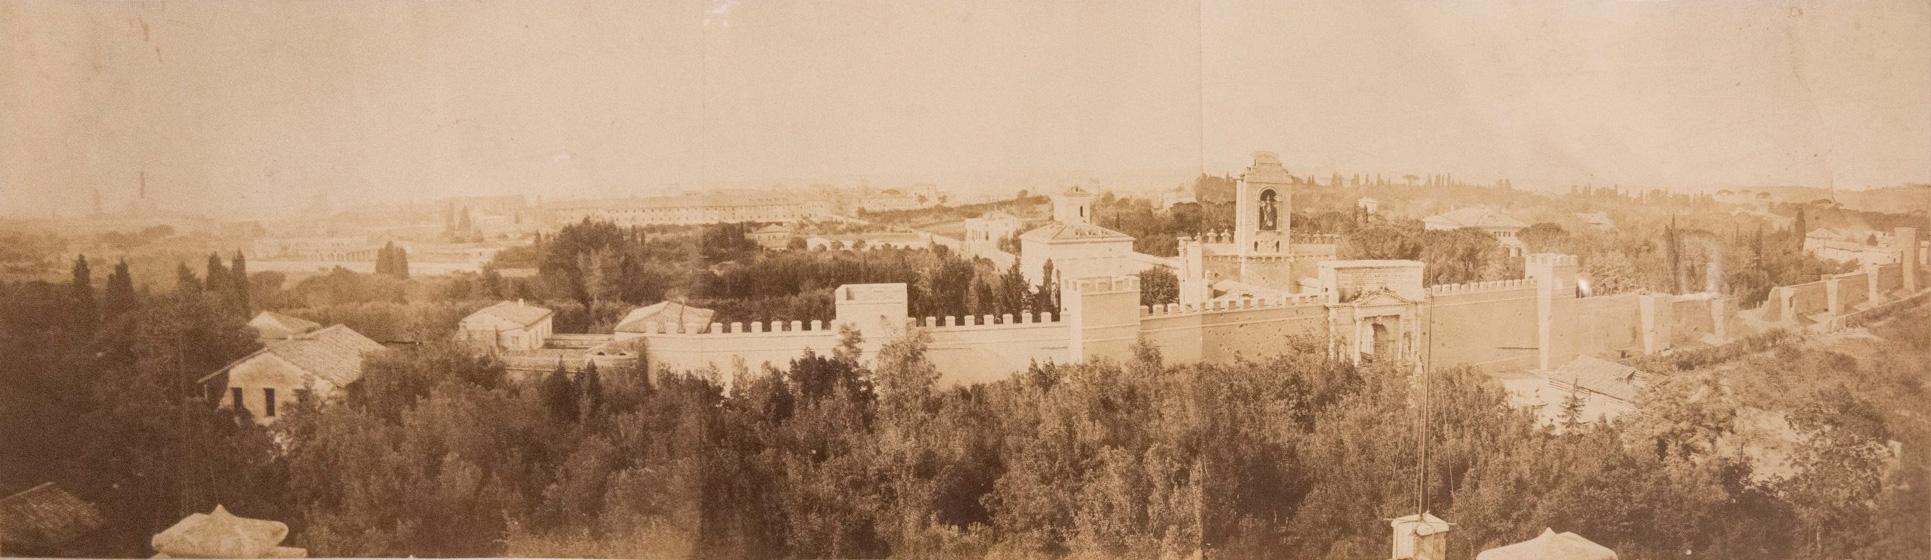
{"x":513,"y":312}
{"x":1550,"y":545}
{"x":665,"y":312}
{"x":1600,"y":376}
{"x":1477,"y":218}
{"x":276,"y":325}
{"x":43,"y":518}
{"x":333,"y":354}
{"x":1060,"y":231}
{"x":220,"y":534}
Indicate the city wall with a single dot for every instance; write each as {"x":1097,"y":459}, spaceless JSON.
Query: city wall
{"x":676,"y":348}
{"x":1537,"y":322}
{"x":1223,"y":331}
{"x":1610,"y":325}
{"x":995,"y":348}
{"x":1799,"y":302}
{"x":1491,"y":325}
{"x":978,"y":348}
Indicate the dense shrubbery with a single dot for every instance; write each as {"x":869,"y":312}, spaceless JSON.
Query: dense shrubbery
{"x":1298,"y":456}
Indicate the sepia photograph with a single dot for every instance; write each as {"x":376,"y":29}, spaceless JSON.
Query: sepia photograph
{"x":998,"y":279}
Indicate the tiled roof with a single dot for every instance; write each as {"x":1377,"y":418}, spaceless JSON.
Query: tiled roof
{"x":43,"y":518}
{"x":1600,"y":376}
{"x":1060,"y":231}
{"x":1550,"y":544}
{"x":333,"y":354}
{"x":276,"y":325}
{"x":220,"y":534}
{"x":1477,"y":218}
{"x":665,"y":312}
{"x":515,"y":312}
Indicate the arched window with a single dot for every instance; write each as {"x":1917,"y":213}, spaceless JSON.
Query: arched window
{"x":1267,"y":212}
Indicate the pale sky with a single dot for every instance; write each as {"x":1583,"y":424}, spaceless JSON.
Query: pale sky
{"x":249,"y":104}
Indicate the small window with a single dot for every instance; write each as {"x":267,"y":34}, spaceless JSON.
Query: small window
{"x":268,"y":401}
{"x":236,"y":393}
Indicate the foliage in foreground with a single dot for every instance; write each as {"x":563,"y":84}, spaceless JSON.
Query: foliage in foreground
{"x":437,"y":452}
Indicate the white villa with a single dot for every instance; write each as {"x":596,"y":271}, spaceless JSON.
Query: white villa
{"x":1075,"y":247}
{"x":1502,"y":226}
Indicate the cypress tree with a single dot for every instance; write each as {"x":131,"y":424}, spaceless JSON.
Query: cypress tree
{"x":185,"y":280}
{"x":118,"y":298}
{"x":216,"y":280}
{"x":560,"y":395}
{"x":86,"y":314}
{"x":238,"y":268}
{"x":382,"y":259}
{"x":590,"y":392}
{"x":1674,"y":252}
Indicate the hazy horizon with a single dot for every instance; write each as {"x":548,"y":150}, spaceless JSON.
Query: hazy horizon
{"x":233,"y":105}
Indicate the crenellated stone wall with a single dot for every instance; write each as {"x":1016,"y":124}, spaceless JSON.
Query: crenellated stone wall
{"x":1609,"y":325}
{"x":1362,"y":308}
{"x":1490,"y":325}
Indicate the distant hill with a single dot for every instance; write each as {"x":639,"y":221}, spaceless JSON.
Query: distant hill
{"x":1901,"y":199}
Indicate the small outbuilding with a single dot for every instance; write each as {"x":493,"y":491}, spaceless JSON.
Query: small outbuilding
{"x":511,"y":326}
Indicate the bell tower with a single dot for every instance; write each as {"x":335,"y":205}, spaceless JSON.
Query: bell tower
{"x":1262,"y":206}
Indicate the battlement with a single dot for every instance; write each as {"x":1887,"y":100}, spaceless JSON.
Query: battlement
{"x":1273,"y":257}
{"x":1476,"y":287}
{"x":1551,"y":259}
{"x":1096,"y":285}
{"x":1222,"y":306}
{"x":1008,"y":319}
{"x":739,"y":328}
{"x":1315,"y":239}
{"x":1215,"y":237}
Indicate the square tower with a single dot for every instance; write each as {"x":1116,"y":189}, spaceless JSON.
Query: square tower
{"x":1075,"y":206}
{"x":1261,"y":207}
{"x":878,"y":311}
{"x":1555,"y":292}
